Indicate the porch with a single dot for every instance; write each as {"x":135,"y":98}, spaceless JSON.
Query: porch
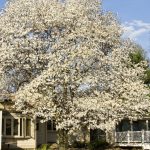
{"x":132,"y":137}
{"x":133,"y":134}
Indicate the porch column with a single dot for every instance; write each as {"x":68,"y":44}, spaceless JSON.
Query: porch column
{"x":131,"y":125}
{"x":131,"y":128}
{"x":0,"y":129}
{"x":147,"y":128}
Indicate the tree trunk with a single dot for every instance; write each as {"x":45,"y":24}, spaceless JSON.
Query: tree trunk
{"x":62,"y":139}
{"x":110,"y":137}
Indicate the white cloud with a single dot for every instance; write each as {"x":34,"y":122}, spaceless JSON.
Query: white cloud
{"x":137,"y":33}
{"x":135,"y":29}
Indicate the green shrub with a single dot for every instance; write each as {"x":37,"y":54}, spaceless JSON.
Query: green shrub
{"x":44,"y":147}
{"x":78,"y":144}
{"x":52,"y":146}
{"x":97,"y":145}
{"x":147,"y":76}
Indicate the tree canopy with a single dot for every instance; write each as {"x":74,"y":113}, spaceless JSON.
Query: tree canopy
{"x":65,"y":60}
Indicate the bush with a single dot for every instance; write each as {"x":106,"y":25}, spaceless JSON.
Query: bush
{"x":78,"y":144}
{"x":44,"y":147}
{"x":48,"y":147}
{"x":147,"y":76}
{"x":97,"y":145}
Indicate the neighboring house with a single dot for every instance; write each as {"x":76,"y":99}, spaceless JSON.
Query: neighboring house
{"x":19,"y":131}
{"x":133,"y":133}
{"x":23,"y":131}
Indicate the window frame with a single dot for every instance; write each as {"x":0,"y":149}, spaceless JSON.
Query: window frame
{"x":19,"y":127}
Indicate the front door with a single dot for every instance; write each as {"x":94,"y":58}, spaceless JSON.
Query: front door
{"x":46,"y":132}
{"x":41,"y":133}
{"x":51,"y":132}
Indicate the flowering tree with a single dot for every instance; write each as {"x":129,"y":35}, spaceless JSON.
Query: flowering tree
{"x":65,"y":60}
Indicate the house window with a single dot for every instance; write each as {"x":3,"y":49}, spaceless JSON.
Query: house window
{"x":139,"y":125}
{"x":149,"y":125}
{"x":8,"y":126}
{"x":51,"y":125}
{"x":17,"y":127}
{"x":37,"y":126}
{"x":54,"y":125}
{"x":28,"y":127}
{"x":21,"y":128}
{"x":3,"y":126}
{"x":124,"y":125}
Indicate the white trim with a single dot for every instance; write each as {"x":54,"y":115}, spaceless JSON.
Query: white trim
{"x":24,"y":127}
{"x":0,"y":129}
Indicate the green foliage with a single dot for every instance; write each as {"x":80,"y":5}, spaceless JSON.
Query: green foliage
{"x":137,"y":57}
{"x":43,"y":147}
{"x":98,"y":145}
{"x":52,"y":146}
{"x":147,"y":76}
{"x":78,"y":144}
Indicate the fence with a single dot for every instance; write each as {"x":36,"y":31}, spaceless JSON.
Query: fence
{"x":132,"y":137}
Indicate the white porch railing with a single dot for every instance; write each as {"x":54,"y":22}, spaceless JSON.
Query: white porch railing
{"x":132,"y":137}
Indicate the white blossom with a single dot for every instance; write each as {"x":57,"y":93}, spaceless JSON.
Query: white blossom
{"x":70,"y":63}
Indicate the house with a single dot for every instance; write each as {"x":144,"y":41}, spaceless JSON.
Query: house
{"x":19,"y":131}
{"x":23,"y":131}
{"x":130,"y":133}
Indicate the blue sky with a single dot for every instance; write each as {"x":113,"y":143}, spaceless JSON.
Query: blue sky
{"x":134,"y":16}
{"x":2,"y":2}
